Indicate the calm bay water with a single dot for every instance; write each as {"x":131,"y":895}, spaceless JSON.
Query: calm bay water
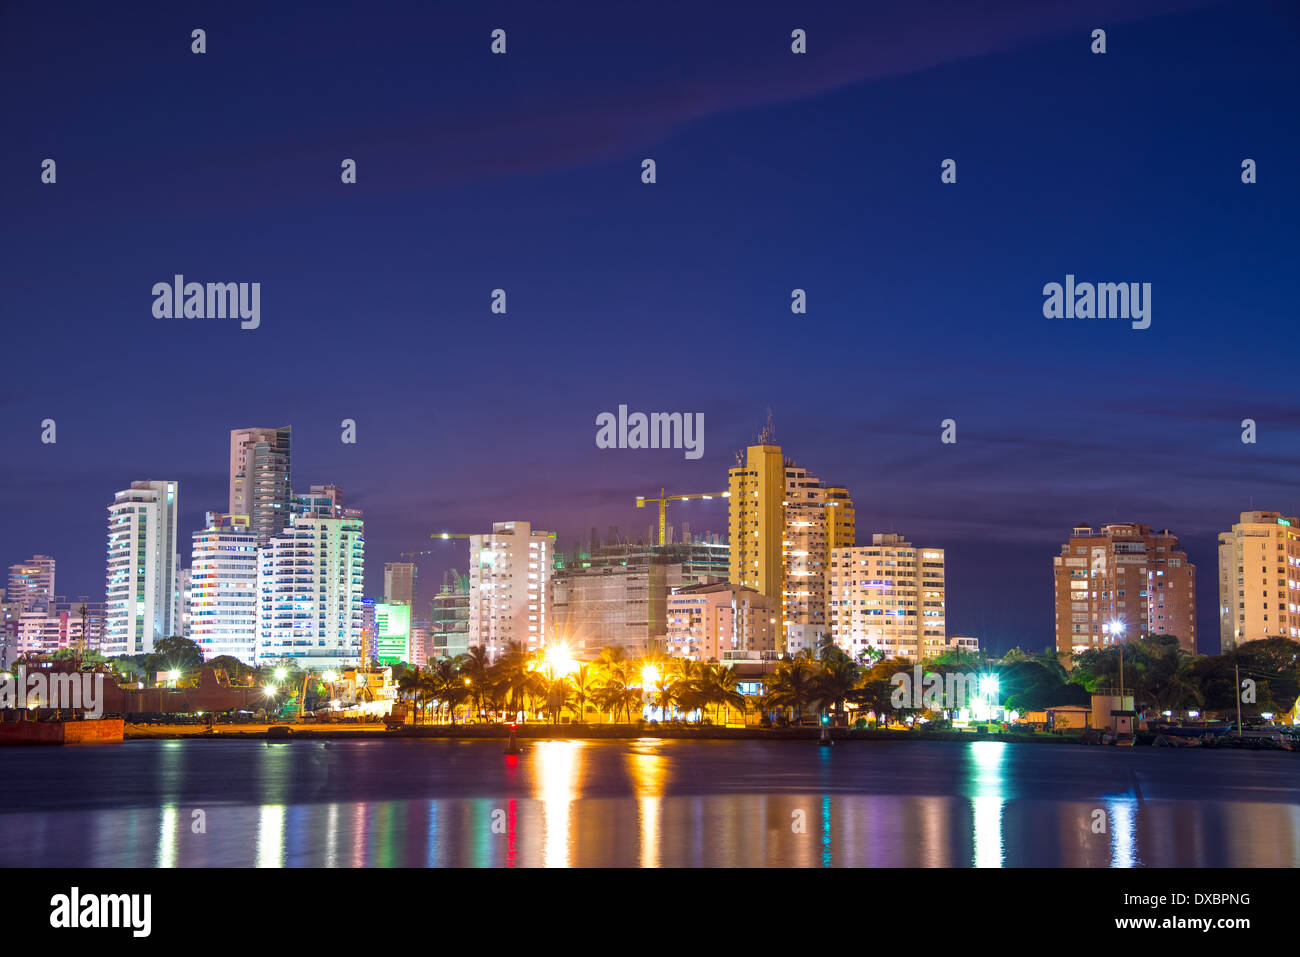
{"x":350,"y":803}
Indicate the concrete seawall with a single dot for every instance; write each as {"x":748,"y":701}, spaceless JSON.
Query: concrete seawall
{"x":93,"y":731}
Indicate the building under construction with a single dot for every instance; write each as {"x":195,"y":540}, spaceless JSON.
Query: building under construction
{"x":614,"y":594}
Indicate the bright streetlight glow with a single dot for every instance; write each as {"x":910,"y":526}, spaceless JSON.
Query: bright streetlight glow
{"x":560,"y":660}
{"x":280,"y":674}
{"x":331,"y":676}
{"x":649,"y":675}
{"x":270,"y":691}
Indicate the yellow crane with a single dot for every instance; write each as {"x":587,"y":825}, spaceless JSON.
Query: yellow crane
{"x":442,"y":535}
{"x":664,"y":498}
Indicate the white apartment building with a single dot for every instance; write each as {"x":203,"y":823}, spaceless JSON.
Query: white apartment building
{"x":140,"y":602}
{"x":223,"y":588}
{"x":1259,"y":579}
{"x":310,"y":580}
{"x":509,"y":587}
{"x":888,"y":595}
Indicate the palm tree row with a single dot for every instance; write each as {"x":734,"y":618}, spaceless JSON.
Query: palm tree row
{"x":615,"y":687}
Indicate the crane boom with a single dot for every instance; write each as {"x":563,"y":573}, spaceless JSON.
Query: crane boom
{"x":664,"y":498}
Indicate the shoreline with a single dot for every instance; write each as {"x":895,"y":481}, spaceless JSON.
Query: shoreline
{"x":565,"y":732}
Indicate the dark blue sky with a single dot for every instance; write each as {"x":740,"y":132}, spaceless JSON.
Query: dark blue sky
{"x":775,"y":171}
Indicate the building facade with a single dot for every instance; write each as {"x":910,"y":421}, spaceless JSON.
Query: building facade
{"x":261,"y":478}
{"x":43,"y":627}
{"x":310,"y":580}
{"x":449,"y":618}
{"x":889,"y":596}
{"x":399,"y":582}
{"x":223,"y":588}
{"x":756,"y":521}
{"x":31,"y":581}
{"x":818,"y":519}
{"x":509,"y":587}
{"x":141,"y":586}
{"x":1259,"y":582}
{"x":393,"y":632}
{"x":713,"y":621}
{"x":1126,"y":576}
{"x":615,"y":594}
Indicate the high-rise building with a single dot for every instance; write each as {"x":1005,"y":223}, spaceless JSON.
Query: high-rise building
{"x":784,"y":524}
{"x":260,"y":479}
{"x":756,"y":521}
{"x":509,"y":587}
{"x":1123,"y":575}
{"x":1259,"y":582}
{"x":309,"y":593}
{"x":888,"y":596}
{"x":32,"y":580}
{"x":399,"y":583}
{"x":717,"y":621}
{"x":818,"y":519}
{"x":142,"y":563}
{"x":223,"y":588}
{"x":449,"y":621}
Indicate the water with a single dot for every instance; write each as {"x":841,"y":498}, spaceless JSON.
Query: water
{"x":649,"y":803}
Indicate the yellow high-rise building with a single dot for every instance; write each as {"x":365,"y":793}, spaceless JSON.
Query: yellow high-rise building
{"x":756,"y":509}
{"x":783,"y":525}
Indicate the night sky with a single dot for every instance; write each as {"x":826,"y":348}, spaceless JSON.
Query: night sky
{"x":775,"y":171}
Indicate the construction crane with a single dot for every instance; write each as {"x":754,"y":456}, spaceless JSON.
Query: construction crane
{"x":665,"y":498}
{"x":441,"y":535}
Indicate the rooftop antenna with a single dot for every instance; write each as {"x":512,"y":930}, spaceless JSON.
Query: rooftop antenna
{"x":767,"y":432}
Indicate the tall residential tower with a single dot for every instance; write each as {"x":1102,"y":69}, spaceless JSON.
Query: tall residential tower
{"x":260,"y":479}
{"x":141,"y":601}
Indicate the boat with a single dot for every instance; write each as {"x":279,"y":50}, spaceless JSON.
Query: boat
{"x":1176,"y":741}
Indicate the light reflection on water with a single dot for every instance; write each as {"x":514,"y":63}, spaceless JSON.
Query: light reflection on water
{"x":653,"y":803}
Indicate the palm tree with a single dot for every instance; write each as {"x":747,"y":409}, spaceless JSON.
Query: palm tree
{"x":722,"y":688}
{"x":580,"y":681}
{"x":615,"y":694}
{"x":446,"y":685}
{"x":558,"y":694}
{"x":411,"y":685}
{"x":476,"y":676}
{"x":690,"y":688}
{"x":837,"y":680}
{"x":792,"y":685}
{"x":516,"y":678}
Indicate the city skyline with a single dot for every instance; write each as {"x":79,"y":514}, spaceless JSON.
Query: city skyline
{"x":774,"y":173}
{"x":324,"y":500}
